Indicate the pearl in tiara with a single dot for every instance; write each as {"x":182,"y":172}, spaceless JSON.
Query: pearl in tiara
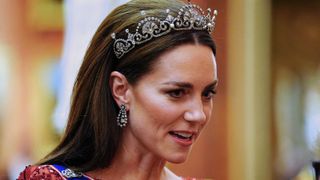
{"x":190,"y":17}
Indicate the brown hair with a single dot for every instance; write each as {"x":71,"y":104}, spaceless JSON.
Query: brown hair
{"x":92,"y":136}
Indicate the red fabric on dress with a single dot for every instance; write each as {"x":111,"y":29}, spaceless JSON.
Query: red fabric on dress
{"x":43,"y":172}
{"x":47,"y":172}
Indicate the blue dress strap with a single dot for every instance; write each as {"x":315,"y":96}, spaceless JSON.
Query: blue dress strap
{"x":69,"y":174}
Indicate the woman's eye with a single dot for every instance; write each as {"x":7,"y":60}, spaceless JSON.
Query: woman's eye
{"x":176,"y":93}
{"x":209,"y":94}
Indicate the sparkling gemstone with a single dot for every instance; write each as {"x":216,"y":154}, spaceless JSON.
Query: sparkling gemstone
{"x":169,"y":18}
{"x":149,"y":27}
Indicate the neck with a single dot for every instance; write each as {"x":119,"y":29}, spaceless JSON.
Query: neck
{"x":140,"y":166}
{"x":133,"y":162}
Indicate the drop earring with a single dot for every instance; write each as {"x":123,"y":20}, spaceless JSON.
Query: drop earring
{"x":122,"y":118}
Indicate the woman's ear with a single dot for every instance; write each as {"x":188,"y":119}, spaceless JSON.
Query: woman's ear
{"x":119,"y":87}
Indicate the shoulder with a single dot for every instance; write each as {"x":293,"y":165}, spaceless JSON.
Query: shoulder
{"x":45,"y":172}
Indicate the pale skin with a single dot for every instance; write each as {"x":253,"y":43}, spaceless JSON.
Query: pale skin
{"x":167,"y":110}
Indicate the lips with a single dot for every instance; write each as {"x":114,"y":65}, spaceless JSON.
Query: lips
{"x":181,"y":135}
{"x":184,"y":138}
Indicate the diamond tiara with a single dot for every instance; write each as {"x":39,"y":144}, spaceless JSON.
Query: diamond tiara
{"x":190,"y":17}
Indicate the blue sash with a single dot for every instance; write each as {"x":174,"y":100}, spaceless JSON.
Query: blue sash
{"x":69,"y":173}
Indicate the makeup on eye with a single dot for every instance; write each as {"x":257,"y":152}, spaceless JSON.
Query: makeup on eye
{"x":209,"y":94}
{"x":177,"y":93}
{"x":175,"y":89}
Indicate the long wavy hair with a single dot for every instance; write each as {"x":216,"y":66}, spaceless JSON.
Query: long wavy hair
{"x":92,"y":136}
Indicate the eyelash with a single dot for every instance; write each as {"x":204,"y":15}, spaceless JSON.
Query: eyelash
{"x":212,"y":93}
{"x":173,"y":93}
{"x":181,"y":92}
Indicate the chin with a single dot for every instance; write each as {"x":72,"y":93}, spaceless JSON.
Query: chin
{"x":181,"y":158}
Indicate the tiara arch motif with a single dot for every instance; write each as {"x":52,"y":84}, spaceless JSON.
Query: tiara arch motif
{"x":190,"y":17}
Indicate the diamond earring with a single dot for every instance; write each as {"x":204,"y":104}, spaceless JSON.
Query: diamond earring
{"x":122,"y":118}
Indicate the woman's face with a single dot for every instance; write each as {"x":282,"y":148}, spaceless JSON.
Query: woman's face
{"x":169,"y":107}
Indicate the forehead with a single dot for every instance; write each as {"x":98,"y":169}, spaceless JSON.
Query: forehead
{"x":188,"y":63}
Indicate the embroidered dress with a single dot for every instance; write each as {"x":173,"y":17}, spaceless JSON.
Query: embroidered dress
{"x":51,"y":172}
{"x":57,"y":172}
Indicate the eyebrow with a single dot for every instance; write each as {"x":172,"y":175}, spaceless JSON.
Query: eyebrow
{"x":213,"y":85}
{"x":189,"y":85}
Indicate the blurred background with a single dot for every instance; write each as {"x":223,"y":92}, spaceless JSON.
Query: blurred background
{"x":266,"y":122}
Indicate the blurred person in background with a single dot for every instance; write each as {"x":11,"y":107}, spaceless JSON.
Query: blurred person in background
{"x":142,"y":95}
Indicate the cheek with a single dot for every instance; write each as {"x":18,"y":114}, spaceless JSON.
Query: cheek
{"x":208,"y":110}
{"x":154,"y":107}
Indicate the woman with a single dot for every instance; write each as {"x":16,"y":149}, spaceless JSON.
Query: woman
{"x":142,"y":95}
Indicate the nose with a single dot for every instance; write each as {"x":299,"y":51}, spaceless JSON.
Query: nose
{"x":195,"y":112}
